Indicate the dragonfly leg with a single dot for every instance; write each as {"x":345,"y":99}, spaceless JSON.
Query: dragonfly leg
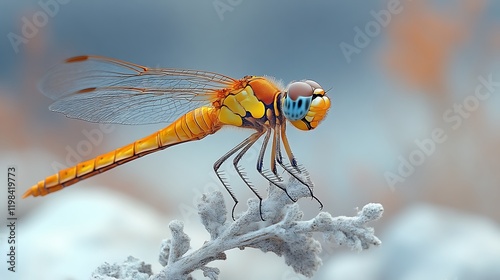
{"x":254,"y":137}
{"x":273,"y":177}
{"x":220,"y":174}
{"x":294,"y":169}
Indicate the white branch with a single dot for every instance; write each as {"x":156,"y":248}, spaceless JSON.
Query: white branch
{"x":283,"y":232}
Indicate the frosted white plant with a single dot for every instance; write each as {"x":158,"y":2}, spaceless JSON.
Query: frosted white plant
{"x":282,"y":232}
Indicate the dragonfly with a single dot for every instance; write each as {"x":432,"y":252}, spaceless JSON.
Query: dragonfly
{"x":194,"y":103}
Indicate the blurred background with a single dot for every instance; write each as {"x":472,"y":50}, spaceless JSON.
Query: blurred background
{"x":414,"y":125}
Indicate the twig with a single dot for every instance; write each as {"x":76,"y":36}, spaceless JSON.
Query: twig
{"x":283,"y":232}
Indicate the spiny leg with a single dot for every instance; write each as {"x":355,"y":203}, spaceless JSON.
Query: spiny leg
{"x":277,"y":180}
{"x":220,"y":174}
{"x":293,"y":168}
{"x":275,"y":151}
{"x":295,"y":171}
{"x":240,"y":171}
{"x":277,"y":134}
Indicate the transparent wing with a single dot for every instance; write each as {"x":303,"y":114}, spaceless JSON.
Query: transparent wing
{"x":100,"y":89}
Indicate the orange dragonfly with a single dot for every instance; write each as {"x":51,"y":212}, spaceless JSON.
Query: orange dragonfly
{"x":195,"y":103}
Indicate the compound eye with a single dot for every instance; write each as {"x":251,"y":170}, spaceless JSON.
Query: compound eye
{"x":298,"y":89}
{"x":313,"y":84}
{"x":297,"y":100}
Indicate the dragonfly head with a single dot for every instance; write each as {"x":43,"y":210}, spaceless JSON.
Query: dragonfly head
{"x":305,"y":104}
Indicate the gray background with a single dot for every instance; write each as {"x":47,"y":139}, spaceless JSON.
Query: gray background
{"x":377,"y":114}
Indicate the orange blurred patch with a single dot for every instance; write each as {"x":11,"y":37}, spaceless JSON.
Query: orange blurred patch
{"x":422,"y":41}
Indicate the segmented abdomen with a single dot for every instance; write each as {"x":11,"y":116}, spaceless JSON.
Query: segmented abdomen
{"x":194,"y":125}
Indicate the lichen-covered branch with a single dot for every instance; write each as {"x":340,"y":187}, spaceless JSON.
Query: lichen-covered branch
{"x":283,"y":232}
